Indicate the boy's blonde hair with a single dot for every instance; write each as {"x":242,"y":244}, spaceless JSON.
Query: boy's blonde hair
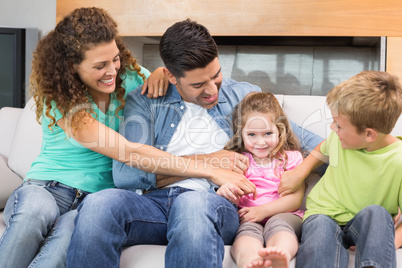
{"x":370,"y":99}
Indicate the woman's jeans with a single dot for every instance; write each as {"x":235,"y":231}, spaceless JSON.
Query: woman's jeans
{"x":324,"y":243}
{"x":39,"y":219}
{"x":194,"y":225}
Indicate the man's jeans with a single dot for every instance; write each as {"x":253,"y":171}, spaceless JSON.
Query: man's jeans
{"x":33,"y":223}
{"x":195,"y":226}
{"x":324,"y":243}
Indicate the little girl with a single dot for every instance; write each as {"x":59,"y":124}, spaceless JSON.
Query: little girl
{"x":262,"y":132}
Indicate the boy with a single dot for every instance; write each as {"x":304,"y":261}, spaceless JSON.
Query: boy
{"x":353,"y":203}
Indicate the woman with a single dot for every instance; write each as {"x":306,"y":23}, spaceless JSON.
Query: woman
{"x":81,"y":74}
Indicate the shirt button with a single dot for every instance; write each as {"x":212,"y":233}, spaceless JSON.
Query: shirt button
{"x":172,"y":125}
{"x":161,"y":148}
{"x":182,"y":107}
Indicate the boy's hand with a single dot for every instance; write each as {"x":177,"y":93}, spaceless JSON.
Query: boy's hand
{"x":290,"y":182}
{"x":230,"y":192}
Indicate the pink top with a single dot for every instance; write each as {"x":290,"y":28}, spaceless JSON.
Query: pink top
{"x":267,"y":182}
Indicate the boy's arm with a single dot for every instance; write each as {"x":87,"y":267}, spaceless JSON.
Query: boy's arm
{"x":291,"y":180}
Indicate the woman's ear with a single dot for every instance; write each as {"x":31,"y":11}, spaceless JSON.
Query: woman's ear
{"x":170,"y":76}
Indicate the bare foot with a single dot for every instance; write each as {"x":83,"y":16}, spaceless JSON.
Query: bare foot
{"x":277,"y":257}
{"x":258,"y":263}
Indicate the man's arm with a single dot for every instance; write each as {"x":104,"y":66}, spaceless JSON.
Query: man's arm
{"x":136,"y":127}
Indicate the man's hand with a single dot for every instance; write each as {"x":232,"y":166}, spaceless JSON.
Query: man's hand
{"x":228,"y":160}
{"x":230,"y":192}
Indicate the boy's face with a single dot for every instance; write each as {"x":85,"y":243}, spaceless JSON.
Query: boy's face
{"x":347,"y":133}
{"x":200,"y":86}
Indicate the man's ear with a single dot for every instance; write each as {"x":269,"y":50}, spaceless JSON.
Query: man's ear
{"x":371,"y":134}
{"x":170,"y":76}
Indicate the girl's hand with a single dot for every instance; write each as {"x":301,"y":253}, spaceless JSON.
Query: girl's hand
{"x":230,"y":192}
{"x":251,"y":214}
{"x":157,"y":84}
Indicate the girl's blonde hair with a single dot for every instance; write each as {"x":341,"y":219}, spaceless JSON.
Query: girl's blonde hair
{"x":264,"y":103}
{"x":53,"y":79}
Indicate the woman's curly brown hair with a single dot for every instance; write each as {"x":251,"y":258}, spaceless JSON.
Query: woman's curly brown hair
{"x":53,"y":77}
{"x":265,"y":103}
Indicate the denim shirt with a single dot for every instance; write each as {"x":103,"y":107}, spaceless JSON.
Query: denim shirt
{"x":153,"y":122}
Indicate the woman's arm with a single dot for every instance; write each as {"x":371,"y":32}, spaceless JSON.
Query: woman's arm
{"x":157,"y":84}
{"x":221,"y":159}
{"x":102,"y":139}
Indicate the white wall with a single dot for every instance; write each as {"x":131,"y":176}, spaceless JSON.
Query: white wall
{"x":39,"y":15}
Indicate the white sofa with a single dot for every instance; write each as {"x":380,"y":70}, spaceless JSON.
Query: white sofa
{"x":20,"y":141}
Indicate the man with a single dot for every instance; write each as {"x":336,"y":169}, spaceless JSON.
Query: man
{"x":191,"y":121}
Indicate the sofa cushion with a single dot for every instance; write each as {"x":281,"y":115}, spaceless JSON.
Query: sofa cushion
{"x":27,"y":141}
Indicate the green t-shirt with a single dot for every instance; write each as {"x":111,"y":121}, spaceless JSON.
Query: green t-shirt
{"x":356,"y":179}
{"x":64,"y":160}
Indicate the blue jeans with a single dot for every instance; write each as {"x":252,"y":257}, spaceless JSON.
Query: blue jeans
{"x":195,"y":226}
{"x":36,"y":234}
{"x":324,"y":243}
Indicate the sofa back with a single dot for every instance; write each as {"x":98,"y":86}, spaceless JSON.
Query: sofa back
{"x":310,"y":112}
{"x":26,"y":142}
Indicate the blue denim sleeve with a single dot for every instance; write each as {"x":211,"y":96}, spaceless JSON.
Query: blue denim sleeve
{"x":308,"y":141}
{"x":136,"y":127}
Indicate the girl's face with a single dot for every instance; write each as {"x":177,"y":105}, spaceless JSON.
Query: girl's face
{"x":260,"y":135}
{"x":99,"y":68}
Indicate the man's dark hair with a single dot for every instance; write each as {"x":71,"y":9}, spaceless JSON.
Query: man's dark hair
{"x":186,"y":46}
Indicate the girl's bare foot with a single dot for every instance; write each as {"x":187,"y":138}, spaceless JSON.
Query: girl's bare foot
{"x":258,"y":263}
{"x":277,"y":257}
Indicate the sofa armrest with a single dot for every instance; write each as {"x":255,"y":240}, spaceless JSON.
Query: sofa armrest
{"x":9,"y":181}
{"x":8,"y":122}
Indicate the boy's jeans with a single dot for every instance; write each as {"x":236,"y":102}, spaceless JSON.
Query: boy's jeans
{"x":196,"y":224}
{"x":324,"y":243}
{"x":33,"y":223}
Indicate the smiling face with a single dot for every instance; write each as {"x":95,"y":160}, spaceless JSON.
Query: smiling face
{"x":347,"y":133}
{"x":260,"y":135}
{"x":99,"y":68}
{"x":200,"y":86}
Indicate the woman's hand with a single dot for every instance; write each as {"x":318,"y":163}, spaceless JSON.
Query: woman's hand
{"x":229,"y":160}
{"x":222,"y":176}
{"x":157,"y":84}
